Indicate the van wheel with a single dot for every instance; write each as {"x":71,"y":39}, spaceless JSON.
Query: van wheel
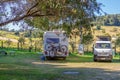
{"x":95,"y":60}
{"x":110,"y":60}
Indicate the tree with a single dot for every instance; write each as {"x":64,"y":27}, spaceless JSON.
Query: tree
{"x":17,"y":33}
{"x":21,"y":40}
{"x":87,"y":39}
{"x":118,"y":44}
{"x":83,"y":15}
{"x":8,"y":42}
{"x":41,"y":13}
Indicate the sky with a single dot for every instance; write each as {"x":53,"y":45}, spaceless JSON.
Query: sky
{"x":110,"y":6}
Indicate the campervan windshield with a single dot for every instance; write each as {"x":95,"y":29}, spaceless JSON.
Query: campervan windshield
{"x":103,"y":45}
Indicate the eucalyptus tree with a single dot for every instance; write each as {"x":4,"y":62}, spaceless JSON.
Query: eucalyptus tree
{"x":41,"y":13}
{"x":8,"y":42}
{"x":87,"y":39}
{"x":21,"y":40}
{"x":37,"y":34}
{"x":83,"y":12}
{"x":80,"y":14}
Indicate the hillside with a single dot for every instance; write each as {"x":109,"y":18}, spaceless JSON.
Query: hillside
{"x":108,"y":20}
{"x":112,"y":31}
{"x":106,"y":30}
{"x":10,"y":40}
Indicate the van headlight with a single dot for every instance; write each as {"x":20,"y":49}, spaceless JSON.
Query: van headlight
{"x":95,"y":52}
{"x":110,"y":52}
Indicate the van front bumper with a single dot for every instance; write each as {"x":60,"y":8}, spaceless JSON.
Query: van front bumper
{"x":105,"y":58}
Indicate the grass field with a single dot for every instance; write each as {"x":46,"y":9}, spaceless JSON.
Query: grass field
{"x":27,"y":66}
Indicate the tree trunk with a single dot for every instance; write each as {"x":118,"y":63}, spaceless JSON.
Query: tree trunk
{"x":75,"y":43}
{"x":72,"y":46}
{"x":18,"y":46}
{"x":21,"y":46}
{"x":2,"y":44}
{"x":30,"y":48}
{"x":35,"y":46}
{"x":81,"y":37}
{"x":87,"y":48}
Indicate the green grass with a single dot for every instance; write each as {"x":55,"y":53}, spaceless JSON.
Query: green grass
{"x":27,"y":66}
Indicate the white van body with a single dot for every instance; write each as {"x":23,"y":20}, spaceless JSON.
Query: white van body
{"x":55,"y":44}
{"x":102,"y":50}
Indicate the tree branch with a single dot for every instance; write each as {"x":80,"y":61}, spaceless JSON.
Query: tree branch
{"x":34,"y":14}
{"x":29,"y":13}
{"x":32,"y":8}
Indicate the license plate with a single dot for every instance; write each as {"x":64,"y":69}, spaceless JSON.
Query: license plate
{"x":102,"y":58}
{"x":103,"y":54}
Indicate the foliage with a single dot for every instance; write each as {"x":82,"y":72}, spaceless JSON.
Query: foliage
{"x":103,"y":31}
{"x":117,"y":42}
{"x":52,"y":14}
{"x":37,"y":33}
{"x":8,"y":42}
{"x":27,"y":34}
{"x":21,"y":40}
{"x":17,"y":33}
{"x":108,"y":20}
{"x":98,"y":27}
{"x":50,"y":11}
{"x":87,"y":38}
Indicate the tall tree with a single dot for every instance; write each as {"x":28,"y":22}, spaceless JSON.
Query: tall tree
{"x":21,"y":40}
{"x":41,"y":13}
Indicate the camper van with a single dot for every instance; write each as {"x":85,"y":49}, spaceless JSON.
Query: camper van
{"x":55,"y":44}
{"x":102,"y":49}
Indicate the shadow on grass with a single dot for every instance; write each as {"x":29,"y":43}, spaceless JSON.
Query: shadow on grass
{"x":55,"y":73}
{"x":80,"y":58}
{"x":76,"y":58}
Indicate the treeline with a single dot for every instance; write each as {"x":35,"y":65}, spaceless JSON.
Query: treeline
{"x":108,"y":20}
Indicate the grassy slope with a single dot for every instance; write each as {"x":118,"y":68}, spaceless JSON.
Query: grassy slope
{"x":8,"y":35}
{"x":5,"y":36}
{"x":108,"y":29}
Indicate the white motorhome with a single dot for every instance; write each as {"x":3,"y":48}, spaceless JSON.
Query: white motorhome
{"x":102,"y":50}
{"x":55,"y":44}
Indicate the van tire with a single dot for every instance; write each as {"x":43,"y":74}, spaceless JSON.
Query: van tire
{"x":110,"y":60}
{"x":64,"y":58}
{"x":95,"y":60}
